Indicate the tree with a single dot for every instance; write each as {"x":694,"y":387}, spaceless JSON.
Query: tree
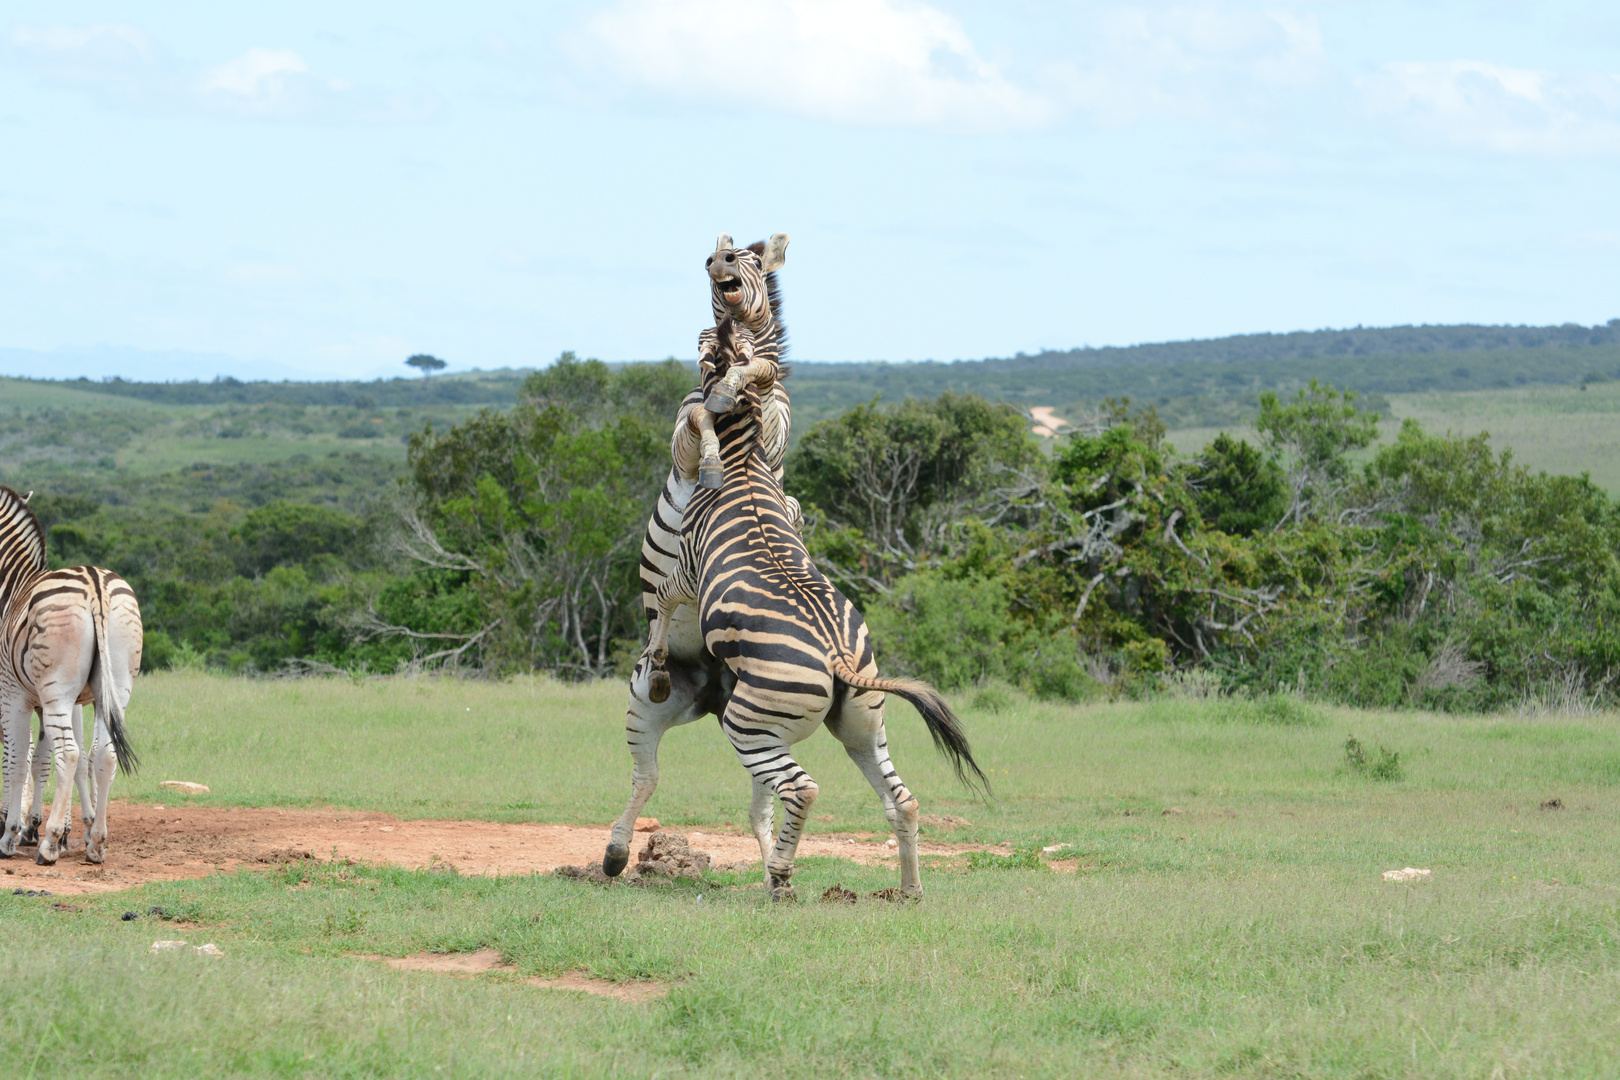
{"x":426,"y":364}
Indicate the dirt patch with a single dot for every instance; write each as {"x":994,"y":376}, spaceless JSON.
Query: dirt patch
{"x":943,"y":822}
{"x":477,"y":963}
{"x":157,"y":843}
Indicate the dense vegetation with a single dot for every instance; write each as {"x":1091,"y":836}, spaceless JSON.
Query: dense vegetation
{"x":364,"y":534}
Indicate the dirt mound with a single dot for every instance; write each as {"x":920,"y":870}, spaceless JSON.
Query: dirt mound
{"x":664,"y":856}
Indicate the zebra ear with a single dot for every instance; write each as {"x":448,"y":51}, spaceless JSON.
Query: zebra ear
{"x":776,"y":251}
{"x":724,"y":243}
{"x":26,"y":497}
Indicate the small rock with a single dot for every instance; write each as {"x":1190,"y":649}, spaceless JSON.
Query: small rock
{"x":648,"y":824}
{"x":209,"y":949}
{"x":891,"y":842}
{"x":1054,"y":848}
{"x":1411,"y":873}
{"x":164,"y":946}
{"x":185,"y":786}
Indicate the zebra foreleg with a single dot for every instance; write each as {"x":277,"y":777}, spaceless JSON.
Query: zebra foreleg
{"x":644,"y":725}
{"x":859,"y":726}
{"x":677,"y":589}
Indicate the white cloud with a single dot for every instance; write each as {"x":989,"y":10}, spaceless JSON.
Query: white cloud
{"x":881,"y":63}
{"x":121,"y":65}
{"x":1200,"y":61}
{"x":1503,"y":109}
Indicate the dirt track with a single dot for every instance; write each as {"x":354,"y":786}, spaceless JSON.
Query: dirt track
{"x":159,"y":843}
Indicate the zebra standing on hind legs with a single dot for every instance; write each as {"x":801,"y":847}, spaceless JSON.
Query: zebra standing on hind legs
{"x":797,"y":649}
{"x":742,"y":286}
{"x":68,"y":638}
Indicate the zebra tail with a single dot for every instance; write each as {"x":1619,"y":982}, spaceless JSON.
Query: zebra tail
{"x":943,"y":724}
{"x":106,"y":696}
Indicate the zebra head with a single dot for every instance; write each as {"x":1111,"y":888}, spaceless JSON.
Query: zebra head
{"x":740,"y":278}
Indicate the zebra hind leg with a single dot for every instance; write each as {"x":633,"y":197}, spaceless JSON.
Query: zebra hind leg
{"x":645,"y":722}
{"x":39,"y":771}
{"x":103,"y":766}
{"x":761,"y":816}
{"x":65,"y":752}
{"x":767,"y":757}
{"x":859,"y":726}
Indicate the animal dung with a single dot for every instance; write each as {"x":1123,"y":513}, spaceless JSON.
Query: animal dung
{"x":1411,"y":873}
{"x":185,"y":786}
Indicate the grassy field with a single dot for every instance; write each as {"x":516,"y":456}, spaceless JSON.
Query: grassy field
{"x":1556,"y":429}
{"x":1227,"y":918}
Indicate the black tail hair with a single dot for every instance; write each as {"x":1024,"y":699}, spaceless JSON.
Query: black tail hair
{"x":943,"y":724}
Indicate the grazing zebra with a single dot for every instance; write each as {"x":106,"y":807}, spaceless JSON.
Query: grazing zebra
{"x":742,"y":286}
{"x":67,"y":638}
{"x":797,"y":650}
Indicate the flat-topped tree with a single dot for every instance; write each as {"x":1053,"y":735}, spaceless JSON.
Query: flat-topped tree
{"x":426,"y":364}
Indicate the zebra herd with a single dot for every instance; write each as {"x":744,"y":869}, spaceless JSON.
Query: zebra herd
{"x":743,"y":625}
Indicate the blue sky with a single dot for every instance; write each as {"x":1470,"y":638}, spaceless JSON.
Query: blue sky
{"x":319,"y":190}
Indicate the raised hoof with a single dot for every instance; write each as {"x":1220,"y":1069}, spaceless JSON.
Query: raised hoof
{"x":657,"y":689}
{"x":720,"y":400}
{"x":711,"y":476}
{"x":616,"y":859}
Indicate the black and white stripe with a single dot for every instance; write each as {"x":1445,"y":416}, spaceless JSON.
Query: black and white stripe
{"x":796,"y":650}
{"x":68,"y":638}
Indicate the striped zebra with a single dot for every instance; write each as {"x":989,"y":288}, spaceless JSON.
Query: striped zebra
{"x":742,"y":286}
{"x":68,"y":638}
{"x":797,"y":651}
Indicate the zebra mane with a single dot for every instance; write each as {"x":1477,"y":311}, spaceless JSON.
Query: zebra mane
{"x":725,"y":355}
{"x":20,"y":533}
{"x":773,"y":297}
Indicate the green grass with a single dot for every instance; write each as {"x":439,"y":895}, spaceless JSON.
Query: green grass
{"x":1247,"y":934}
{"x":1556,"y":429}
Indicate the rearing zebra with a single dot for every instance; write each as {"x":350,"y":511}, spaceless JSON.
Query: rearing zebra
{"x":797,"y":649}
{"x":67,"y":638}
{"x":742,"y":286}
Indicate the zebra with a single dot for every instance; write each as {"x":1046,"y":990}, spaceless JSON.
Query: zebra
{"x":742,"y":286}
{"x":798,"y":651}
{"x":68,"y":638}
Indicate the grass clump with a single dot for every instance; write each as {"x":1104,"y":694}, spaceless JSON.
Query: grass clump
{"x":1385,"y":765}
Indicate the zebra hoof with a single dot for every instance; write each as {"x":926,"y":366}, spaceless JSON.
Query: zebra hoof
{"x":783,"y":893}
{"x":41,"y":860}
{"x":94,"y":856}
{"x":658,"y":688}
{"x":711,"y":476}
{"x":616,"y":859}
{"x":30,"y":835}
{"x":720,"y":400}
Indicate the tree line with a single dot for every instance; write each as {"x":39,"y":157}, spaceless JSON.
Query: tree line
{"x":1431,"y":571}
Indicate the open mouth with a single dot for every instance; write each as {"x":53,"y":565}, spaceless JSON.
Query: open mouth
{"x":730,"y":290}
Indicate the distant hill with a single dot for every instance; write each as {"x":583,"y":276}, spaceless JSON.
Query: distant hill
{"x":1192,"y":383}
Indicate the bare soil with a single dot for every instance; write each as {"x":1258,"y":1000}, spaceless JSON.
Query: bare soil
{"x":476,"y":963}
{"x":155,"y":842}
